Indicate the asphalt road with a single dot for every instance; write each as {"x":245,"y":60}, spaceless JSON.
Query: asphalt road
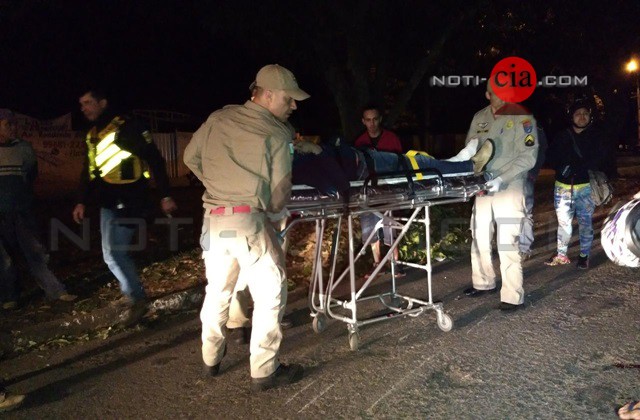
{"x":572,"y":352}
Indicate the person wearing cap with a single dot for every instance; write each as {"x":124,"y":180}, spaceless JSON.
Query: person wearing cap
{"x":18,"y":171}
{"x":575,"y":151}
{"x":501,"y":209}
{"x":242,"y":154}
{"x":120,"y":152}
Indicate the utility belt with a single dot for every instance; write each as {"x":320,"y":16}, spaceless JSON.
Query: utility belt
{"x":228,"y":211}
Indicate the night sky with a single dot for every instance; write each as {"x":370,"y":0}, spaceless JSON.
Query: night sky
{"x":195,"y":56}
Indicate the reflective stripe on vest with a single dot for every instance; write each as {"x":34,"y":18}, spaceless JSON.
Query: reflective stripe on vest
{"x":414,"y":164}
{"x":107,"y":159}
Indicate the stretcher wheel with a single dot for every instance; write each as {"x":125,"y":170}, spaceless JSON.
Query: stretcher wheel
{"x":319,"y":323}
{"x":445,"y":323}
{"x":354,"y":341}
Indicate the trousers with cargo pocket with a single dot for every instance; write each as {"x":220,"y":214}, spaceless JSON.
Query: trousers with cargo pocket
{"x":247,"y":244}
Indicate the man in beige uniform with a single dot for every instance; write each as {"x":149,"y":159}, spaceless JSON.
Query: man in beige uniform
{"x":242,"y":156}
{"x":513,"y":130}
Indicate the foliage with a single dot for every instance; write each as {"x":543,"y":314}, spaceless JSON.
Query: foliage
{"x":449,"y":241}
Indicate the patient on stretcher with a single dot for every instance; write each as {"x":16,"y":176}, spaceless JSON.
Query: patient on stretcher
{"x":330,"y":168}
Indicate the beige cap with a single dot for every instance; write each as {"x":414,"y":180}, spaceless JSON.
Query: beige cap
{"x":273,"y":76}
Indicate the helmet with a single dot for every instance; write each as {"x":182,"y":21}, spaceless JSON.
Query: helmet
{"x":580,"y":102}
{"x":620,"y":235}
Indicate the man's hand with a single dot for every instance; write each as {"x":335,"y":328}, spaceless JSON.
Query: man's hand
{"x":494,"y":185}
{"x":78,"y":213}
{"x":168,"y":205}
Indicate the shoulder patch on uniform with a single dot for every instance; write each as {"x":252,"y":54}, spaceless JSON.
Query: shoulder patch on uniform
{"x":147,"y":136}
{"x":509,"y":125}
{"x":529,"y":140}
{"x":526,"y":125}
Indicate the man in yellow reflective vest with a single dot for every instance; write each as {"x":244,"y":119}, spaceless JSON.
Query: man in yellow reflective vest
{"x":120,"y":152}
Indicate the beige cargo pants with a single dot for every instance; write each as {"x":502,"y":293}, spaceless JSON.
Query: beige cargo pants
{"x":506,"y":209}
{"x":243,"y":245}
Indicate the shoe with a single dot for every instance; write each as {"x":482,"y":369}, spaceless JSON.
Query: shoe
{"x":400,"y":273}
{"x":240,"y":335}
{"x":66,"y":297}
{"x":524,"y":256}
{"x":284,"y":375}
{"x":630,"y":410}
{"x":9,"y":401}
{"x":473,"y":292}
{"x":583,"y":262}
{"x":558,"y":259}
{"x":483,"y":156}
{"x":286,"y":323}
{"x":215,"y":369}
{"x":134,"y":314}
{"x":123,"y":302}
{"x":504,"y":306}
{"x":12,"y":304}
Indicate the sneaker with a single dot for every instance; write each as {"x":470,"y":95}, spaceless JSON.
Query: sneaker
{"x":583,"y":262}
{"x":524,"y":256}
{"x":400,"y":273}
{"x":9,"y":401}
{"x":66,"y":297}
{"x":558,"y":259}
{"x":286,"y":323}
{"x":483,"y":156}
{"x":122,"y":303}
{"x":284,"y":375}
{"x":134,"y":314}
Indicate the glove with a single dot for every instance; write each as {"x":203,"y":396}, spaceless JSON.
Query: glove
{"x":306,"y":147}
{"x":277,"y":217}
{"x":493,"y":185}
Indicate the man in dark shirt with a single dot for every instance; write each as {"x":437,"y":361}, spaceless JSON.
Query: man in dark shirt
{"x":575,"y":152}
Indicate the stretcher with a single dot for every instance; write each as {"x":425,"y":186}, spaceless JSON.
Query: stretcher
{"x":413,"y":192}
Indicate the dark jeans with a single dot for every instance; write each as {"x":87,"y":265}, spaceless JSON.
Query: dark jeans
{"x":117,"y":236}
{"x":17,"y":235}
{"x":390,"y":162}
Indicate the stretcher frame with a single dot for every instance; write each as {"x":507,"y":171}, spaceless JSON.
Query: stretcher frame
{"x":323,"y":303}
